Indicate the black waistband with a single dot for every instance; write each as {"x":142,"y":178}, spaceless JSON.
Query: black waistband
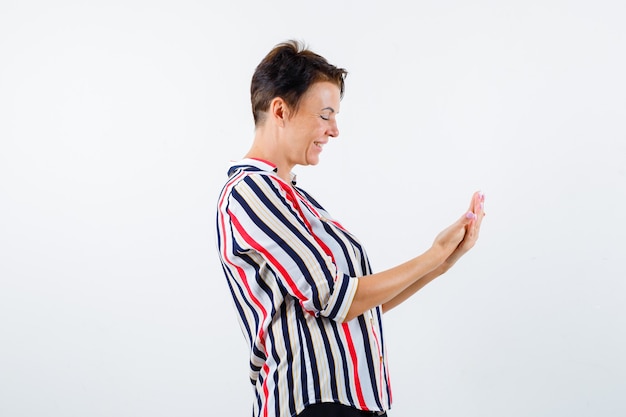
{"x":337,"y":410}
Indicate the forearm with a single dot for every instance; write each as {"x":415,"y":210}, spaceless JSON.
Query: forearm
{"x":421,"y":283}
{"x":396,"y":284}
{"x":413,"y":288}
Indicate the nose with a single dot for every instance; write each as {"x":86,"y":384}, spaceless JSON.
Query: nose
{"x":333,"y":130}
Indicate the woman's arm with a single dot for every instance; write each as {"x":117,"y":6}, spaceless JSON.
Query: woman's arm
{"x":393,"y":286}
{"x":413,"y":288}
{"x":468,"y":242}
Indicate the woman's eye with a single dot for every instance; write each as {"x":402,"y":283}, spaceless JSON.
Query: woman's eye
{"x":324,"y":117}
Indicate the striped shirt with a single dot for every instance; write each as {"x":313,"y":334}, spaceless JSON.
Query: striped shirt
{"x":292,"y":272}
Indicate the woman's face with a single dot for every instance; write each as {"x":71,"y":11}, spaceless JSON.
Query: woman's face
{"x":313,"y":125}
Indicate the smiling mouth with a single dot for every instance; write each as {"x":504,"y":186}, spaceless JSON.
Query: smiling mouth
{"x":319,"y":144}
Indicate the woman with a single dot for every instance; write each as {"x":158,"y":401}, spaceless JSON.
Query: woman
{"x":308,"y":302}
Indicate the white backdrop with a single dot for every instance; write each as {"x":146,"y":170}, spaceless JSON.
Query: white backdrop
{"x":117,"y":122}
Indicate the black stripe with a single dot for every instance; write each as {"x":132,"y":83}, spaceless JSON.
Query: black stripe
{"x":329,"y":355}
{"x":344,"y":286}
{"x":238,"y":305}
{"x":303,"y":369}
{"x":299,"y":363}
{"x":313,"y":366}
{"x":276,"y":238}
{"x":344,"y":361}
{"x":383,"y":350}
{"x":368,"y":356}
{"x":274,"y":353}
{"x":289,"y":373}
{"x":332,"y":231}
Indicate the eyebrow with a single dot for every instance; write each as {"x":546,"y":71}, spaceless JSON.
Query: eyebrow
{"x":329,"y":108}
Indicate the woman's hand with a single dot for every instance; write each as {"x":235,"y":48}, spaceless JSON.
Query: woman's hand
{"x":475,"y":215}
{"x":393,"y":286}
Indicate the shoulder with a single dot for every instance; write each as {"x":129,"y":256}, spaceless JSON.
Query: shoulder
{"x":257,"y":182}
{"x":254,"y":187}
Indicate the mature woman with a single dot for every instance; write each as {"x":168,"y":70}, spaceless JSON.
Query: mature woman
{"x":308,"y":303}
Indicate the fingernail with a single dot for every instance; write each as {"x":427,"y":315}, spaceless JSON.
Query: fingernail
{"x":470,"y":215}
{"x":481,"y":196}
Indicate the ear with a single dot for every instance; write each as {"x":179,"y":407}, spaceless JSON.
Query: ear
{"x":279,"y":111}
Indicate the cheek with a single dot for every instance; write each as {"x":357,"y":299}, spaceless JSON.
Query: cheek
{"x":318,"y":131}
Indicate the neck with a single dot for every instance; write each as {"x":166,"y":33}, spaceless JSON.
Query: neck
{"x":266,"y":147}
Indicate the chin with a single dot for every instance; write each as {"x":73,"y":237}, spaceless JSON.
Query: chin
{"x":313,"y":160}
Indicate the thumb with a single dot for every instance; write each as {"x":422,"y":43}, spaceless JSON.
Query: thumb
{"x":469,"y":217}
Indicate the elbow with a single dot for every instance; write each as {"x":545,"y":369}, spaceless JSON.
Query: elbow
{"x":349,"y":317}
{"x":356,"y":309}
{"x":353,"y":312}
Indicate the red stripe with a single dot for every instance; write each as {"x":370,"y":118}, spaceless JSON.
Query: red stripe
{"x":314,"y":211}
{"x":389,"y":386}
{"x":265,"y":162}
{"x":291,"y":196}
{"x":244,"y":280}
{"x":382,"y":365}
{"x":266,"y":392}
{"x":240,"y":271}
{"x":270,"y":258}
{"x":227,"y":188}
{"x":380,"y":358}
{"x":355,"y":366}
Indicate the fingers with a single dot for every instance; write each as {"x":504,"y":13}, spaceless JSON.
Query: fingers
{"x":476,"y":213}
{"x":477,"y":204}
{"x":470,"y":222}
{"x":475,"y":209}
{"x":469,"y":216}
{"x":478,"y":208}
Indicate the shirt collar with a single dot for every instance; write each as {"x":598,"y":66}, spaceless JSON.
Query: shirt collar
{"x":253,"y":164}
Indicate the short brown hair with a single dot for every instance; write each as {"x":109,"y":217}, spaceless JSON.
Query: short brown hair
{"x":288,"y":71}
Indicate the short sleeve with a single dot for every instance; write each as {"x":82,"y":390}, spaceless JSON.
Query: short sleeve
{"x":266,"y":219}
